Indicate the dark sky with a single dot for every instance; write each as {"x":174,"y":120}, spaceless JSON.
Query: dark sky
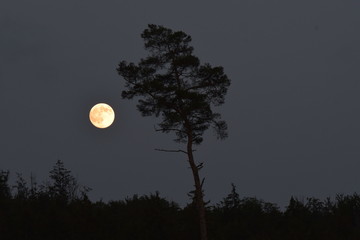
{"x":292,"y":109}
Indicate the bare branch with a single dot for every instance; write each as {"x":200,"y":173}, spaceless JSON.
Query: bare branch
{"x":165,"y":150}
{"x":200,"y":165}
{"x":202,"y":182}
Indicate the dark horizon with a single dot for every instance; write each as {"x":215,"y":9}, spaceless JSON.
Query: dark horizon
{"x":62,"y":210}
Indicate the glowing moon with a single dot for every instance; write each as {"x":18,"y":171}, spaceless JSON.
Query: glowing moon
{"x":101,"y":115}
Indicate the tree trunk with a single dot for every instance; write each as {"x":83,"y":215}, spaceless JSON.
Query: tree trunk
{"x":198,"y":190}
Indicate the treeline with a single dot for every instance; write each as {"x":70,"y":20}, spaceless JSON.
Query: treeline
{"x":60,"y":209}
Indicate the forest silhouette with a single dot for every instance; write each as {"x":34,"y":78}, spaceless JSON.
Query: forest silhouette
{"x":60,"y":209}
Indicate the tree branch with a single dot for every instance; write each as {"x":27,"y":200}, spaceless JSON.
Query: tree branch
{"x":165,"y":150}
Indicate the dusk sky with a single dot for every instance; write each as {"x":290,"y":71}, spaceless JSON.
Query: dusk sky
{"x":292,"y":108}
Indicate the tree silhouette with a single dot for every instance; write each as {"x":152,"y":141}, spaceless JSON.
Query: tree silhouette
{"x":64,"y":186}
{"x":232,"y":200}
{"x":40,"y":216}
{"x":172,"y":84}
{"x":5,"y":192}
{"x":22,"y":191}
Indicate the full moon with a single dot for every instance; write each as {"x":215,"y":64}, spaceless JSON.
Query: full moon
{"x":101,"y":115}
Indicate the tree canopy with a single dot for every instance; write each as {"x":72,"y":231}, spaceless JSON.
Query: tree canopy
{"x":174,"y":85}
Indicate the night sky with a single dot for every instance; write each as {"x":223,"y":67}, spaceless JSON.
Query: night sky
{"x":292,"y":108}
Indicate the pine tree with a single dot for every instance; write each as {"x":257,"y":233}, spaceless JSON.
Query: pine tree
{"x":173,"y":85}
{"x":22,"y":191}
{"x":5,"y":192}
{"x":63,"y":186}
{"x":232,"y":200}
